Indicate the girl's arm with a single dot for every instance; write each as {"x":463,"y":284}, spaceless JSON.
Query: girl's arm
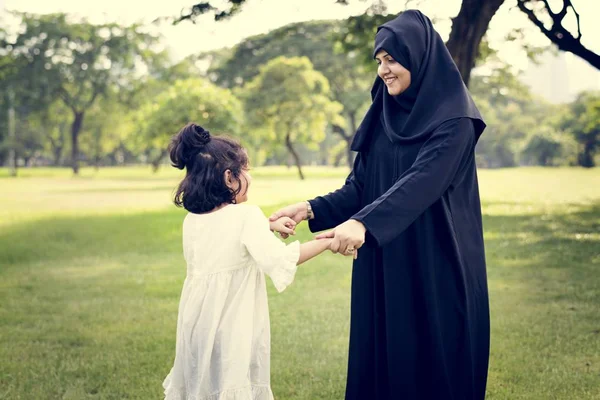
{"x":272,"y":256}
{"x":312,"y":249}
{"x":308,"y":250}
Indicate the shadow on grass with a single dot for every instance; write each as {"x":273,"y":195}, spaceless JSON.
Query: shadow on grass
{"x":568,"y":240}
{"x":545,"y":302}
{"x":65,"y":238}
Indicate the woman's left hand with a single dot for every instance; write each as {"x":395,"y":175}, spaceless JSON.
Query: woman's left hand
{"x":347,"y":237}
{"x":283,"y":225}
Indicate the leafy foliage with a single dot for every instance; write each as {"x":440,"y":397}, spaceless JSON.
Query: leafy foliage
{"x":288,"y":102}
{"x":349,"y":80}
{"x":582,"y":120}
{"x":197,"y":100}
{"x":76,"y":61}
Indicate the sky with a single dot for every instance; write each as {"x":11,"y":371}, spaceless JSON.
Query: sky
{"x":261,"y":16}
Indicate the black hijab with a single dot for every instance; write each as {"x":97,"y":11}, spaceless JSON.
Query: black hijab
{"x":436,"y":93}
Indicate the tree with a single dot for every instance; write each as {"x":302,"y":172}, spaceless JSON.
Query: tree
{"x":55,"y":121}
{"x":191,"y":100}
{"x":349,"y":81}
{"x":79,"y":61}
{"x":515,"y":118}
{"x":19,"y":99}
{"x":582,"y":120}
{"x":288,"y":103}
{"x":468,"y":27}
{"x":544,"y":147}
{"x":105,"y":129}
{"x":52,"y":123}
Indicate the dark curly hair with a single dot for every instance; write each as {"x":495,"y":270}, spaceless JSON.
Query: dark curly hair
{"x":206,"y":158}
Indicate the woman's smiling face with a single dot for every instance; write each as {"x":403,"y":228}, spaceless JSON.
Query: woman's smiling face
{"x":394,"y":75}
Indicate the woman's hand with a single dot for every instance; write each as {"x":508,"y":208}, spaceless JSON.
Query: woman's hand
{"x":347,"y":237}
{"x":297,"y":212}
{"x":283,"y":225}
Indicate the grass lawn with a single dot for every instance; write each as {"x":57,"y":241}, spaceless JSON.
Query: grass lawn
{"x":91,"y":271}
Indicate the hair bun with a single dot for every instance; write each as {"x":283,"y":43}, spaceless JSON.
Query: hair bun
{"x":203,"y":134}
{"x":187,"y":144}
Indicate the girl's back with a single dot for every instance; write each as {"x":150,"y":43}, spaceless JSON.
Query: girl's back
{"x":212,"y":242}
{"x":223,"y":341}
{"x":223,"y":334}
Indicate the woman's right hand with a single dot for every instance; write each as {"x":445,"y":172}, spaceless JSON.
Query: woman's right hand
{"x":297,"y":212}
{"x":347,"y":238}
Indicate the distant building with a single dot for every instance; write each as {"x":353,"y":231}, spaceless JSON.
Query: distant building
{"x":560,"y":77}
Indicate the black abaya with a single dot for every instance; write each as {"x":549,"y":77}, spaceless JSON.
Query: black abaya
{"x":419,"y":311}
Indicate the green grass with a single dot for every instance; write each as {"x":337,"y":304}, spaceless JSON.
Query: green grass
{"x":91,"y":271}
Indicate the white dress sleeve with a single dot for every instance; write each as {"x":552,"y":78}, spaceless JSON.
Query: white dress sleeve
{"x":271,"y":255}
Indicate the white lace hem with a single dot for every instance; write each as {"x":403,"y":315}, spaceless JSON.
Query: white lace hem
{"x":251,"y":392}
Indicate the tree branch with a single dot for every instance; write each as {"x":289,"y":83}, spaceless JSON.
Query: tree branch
{"x":340,"y":131}
{"x":576,"y":17}
{"x":66,"y":98}
{"x":558,"y":34}
{"x":552,"y":14}
{"x":205,"y":7}
{"x":95,"y":94}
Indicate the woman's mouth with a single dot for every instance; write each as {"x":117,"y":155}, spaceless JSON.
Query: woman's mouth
{"x":390,"y":80}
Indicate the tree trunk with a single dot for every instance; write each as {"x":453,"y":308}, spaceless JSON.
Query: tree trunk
{"x":75,"y":129}
{"x":12,"y":153}
{"x":337,"y":160}
{"x":56,"y":153}
{"x":350,"y":139}
{"x":290,"y":147}
{"x":156,"y":162}
{"x":468,"y":28}
{"x":586,"y":157}
{"x":98,"y":149}
{"x":347,"y":138}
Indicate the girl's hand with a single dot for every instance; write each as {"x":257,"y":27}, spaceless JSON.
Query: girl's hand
{"x":283,"y":225}
{"x":297,"y":212}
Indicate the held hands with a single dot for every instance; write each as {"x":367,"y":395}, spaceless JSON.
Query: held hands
{"x":295,"y":212}
{"x":283,"y":225}
{"x":347,"y":238}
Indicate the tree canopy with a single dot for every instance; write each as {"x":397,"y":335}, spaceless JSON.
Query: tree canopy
{"x":288,"y":102}
{"x":468,"y":27}
{"x":75,"y":61}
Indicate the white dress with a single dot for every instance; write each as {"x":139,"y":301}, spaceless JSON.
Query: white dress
{"x":223,"y":333}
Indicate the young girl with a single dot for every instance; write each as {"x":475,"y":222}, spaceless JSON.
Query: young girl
{"x":223,"y":333}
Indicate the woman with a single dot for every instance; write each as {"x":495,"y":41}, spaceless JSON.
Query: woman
{"x":419,"y":311}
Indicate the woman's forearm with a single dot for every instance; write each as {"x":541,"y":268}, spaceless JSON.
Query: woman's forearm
{"x":336,"y":207}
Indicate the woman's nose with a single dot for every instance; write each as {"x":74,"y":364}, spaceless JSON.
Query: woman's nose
{"x":383,"y":69}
